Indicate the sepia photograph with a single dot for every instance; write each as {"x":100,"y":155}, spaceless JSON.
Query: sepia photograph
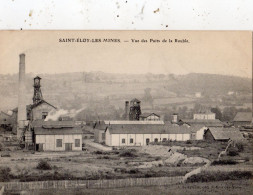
{"x":126,"y":112}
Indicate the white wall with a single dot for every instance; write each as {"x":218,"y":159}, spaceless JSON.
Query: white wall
{"x":200,"y":133}
{"x":49,"y":142}
{"x":204,"y":116}
{"x":140,"y":139}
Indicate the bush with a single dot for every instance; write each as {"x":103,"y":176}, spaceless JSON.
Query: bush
{"x":133,"y":171}
{"x":224,"y":162}
{"x":188,"y":142}
{"x":158,"y":158}
{"x":128,"y":153}
{"x":44,"y":165}
{"x":240,"y":146}
{"x":233,"y":152}
{"x":5,"y":174}
{"x":220,"y":176}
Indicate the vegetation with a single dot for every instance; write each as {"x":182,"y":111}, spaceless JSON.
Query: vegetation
{"x":5,"y":174}
{"x":224,"y":162}
{"x":43,"y":165}
{"x":220,"y":176}
{"x":128,"y":153}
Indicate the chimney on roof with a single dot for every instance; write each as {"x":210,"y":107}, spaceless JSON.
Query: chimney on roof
{"x":174,"y":118}
{"x":22,"y":115}
{"x":127,"y":109}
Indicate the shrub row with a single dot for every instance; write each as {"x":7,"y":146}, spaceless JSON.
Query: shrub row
{"x":220,"y":176}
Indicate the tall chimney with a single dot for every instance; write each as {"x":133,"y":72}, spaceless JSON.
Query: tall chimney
{"x":127,"y":110}
{"x":21,"y":96}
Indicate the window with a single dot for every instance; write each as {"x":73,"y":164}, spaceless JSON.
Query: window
{"x":58,"y":143}
{"x":156,"y":140}
{"x":77,"y":142}
{"x":44,"y":115}
{"x":131,"y":140}
{"x":164,"y":139}
{"x":123,"y":141}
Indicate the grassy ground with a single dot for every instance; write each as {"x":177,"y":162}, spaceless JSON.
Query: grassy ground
{"x":242,"y":187}
{"x":90,"y":164}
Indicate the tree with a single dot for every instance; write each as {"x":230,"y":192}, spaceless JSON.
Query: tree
{"x":229,"y":113}
{"x":217,"y":111}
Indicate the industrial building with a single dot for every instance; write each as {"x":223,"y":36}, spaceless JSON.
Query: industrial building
{"x":222,"y":134}
{"x":56,"y":136}
{"x":141,"y":135}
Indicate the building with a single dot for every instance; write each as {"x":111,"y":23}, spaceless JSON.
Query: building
{"x":207,"y":123}
{"x":204,"y":114}
{"x":149,"y":117}
{"x":141,"y":135}
{"x":135,"y":109}
{"x":242,"y":119}
{"x":222,"y":134}
{"x":56,"y":136}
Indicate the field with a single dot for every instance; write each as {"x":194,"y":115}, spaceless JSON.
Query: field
{"x":135,"y":162}
{"x":242,"y":187}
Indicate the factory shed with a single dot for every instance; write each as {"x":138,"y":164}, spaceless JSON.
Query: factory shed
{"x":141,"y":135}
{"x":243,"y":119}
{"x":57,"y":136}
{"x":222,"y":134}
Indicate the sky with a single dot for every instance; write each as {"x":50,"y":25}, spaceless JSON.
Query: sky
{"x":127,"y":15}
{"x":215,"y":52}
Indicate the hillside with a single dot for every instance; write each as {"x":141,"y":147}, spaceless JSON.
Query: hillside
{"x":75,"y":90}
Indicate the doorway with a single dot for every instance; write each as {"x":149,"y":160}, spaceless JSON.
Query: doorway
{"x":147,"y":141}
{"x":68,"y":146}
{"x":39,"y":147}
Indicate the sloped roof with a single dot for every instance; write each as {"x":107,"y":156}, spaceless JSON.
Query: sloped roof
{"x":41,"y":102}
{"x":148,"y":129}
{"x":226,"y":133}
{"x":65,"y":131}
{"x":146,"y":114}
{"x":31,"y":106}
{"x":243,"y":117}
{"x":134,"y":122}
{"x":208,"y":123}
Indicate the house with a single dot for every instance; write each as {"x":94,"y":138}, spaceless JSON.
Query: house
{"x":99,"y":131}
{"x":242,"y":119}
{"x":204,"y":114}
{"x":149,"y":117}
{"x":56,"y":136}
{"x":141,"y":135}
{"x":222,"y":134}
{"x":198,"y":131}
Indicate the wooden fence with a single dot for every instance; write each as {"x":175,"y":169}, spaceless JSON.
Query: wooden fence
{"x":114,"y":183}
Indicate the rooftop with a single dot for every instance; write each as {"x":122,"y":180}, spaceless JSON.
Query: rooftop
{"x":134,"y":122}
{"x":150,"y":129}
{"x":243,"y":117}
{"x":146,"y":114}
{"x":65,"y":131}
{"x":52,"y":124}
{"x":226,"y":133}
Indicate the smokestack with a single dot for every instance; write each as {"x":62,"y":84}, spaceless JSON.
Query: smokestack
{"x":127,"y":110}
{"x":21,"y":96}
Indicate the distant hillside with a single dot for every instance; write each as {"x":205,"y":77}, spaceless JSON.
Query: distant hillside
{"x":75,"y":90}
